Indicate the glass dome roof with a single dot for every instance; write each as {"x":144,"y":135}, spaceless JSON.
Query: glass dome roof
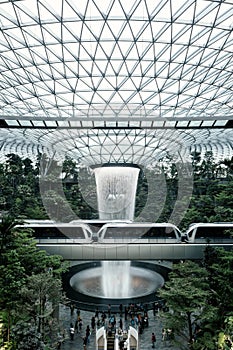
{"x":116,"y":81}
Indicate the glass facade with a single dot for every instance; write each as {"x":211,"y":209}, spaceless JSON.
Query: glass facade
{"x":116,"y":81}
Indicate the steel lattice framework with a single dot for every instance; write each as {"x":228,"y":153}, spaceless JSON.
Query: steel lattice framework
{"x":116,"y":81}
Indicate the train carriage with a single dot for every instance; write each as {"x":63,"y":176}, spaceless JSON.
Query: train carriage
{"x":220,"y":232}
{"x":139,"y":232}
{"x":56,"y":232}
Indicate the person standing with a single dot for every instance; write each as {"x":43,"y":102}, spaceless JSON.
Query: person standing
{"x":97,"y":313}
{"x":121,"y":323}
{"x":84,"y":343}
{"x":88,"y":334}
{"x":125,"y":344}
{"x":93,"y":323}
{"x":80,"y":325}
{"x":59,"y":342}
{"x":164,"y":334}
{"x":71,"y":331}
{"x":109,"y":310}
{"x":72,"y":307}
{"x":153,"y":340}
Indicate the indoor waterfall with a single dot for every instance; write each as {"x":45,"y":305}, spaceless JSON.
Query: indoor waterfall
{"x":116,"y":191}
{"x":116,"y":279}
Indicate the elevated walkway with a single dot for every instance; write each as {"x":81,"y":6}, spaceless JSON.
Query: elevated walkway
{"x":133,"y":251}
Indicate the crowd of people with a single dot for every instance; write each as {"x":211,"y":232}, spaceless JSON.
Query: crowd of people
{"x":115,"y":321}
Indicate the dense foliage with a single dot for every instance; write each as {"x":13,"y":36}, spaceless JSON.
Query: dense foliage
{"x":30,"y":290}
{"x":165,"y":193}
{"x":200,"y":301}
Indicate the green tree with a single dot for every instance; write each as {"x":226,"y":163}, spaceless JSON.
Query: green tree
{"x":41,"y":296}
{"x":56,"y":206}
{"x":219,"y":265}
{"x":7,"y":225}
{"x":196,"y":163}
{"x":26,"y":337}
{"x":69,"y":169}
{"x":21,"y":263}
{"x":11,"y":271}
{"x":223,"y":201}
{"x":186,"y":294}
{"x":228,"y":163}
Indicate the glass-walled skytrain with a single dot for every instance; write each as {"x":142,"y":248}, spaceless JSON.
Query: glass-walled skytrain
{"x":55,"y":232}
{"x":217,"y":232}
{"x":139,"y":232}
{"x":87,"y":231}
{"x":96,"y":224}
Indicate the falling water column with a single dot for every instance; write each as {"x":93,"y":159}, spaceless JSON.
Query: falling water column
{"x":116,"y":193}
{"x":116,"y":279}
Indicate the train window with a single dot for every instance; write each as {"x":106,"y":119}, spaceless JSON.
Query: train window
{"x":95,"y":225}
{"x":120,"y":232}
{"x":137,"y":231}
{"x":214,"y":232}
{"x":46,"y":232}
{"x":159,"y":232}
{"x":72,"y":232}
{"x":63,"y":231}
